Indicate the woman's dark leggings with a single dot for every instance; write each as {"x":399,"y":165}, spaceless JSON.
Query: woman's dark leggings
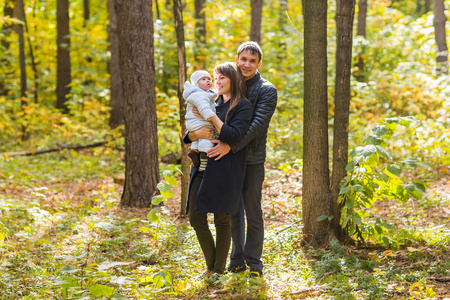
{"x":215,"y":253}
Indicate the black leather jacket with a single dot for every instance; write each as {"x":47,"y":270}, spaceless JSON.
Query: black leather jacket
{"x":263,"y":96}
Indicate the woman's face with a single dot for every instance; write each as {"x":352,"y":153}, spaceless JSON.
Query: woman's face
{"x":223,"y":85}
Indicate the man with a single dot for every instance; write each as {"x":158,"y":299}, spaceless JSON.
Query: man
{"x":247,"y":251}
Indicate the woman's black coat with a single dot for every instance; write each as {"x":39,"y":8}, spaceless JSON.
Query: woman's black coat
{"x":221,"y":188}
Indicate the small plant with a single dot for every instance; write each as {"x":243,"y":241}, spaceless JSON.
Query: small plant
{"x":371,"y":178}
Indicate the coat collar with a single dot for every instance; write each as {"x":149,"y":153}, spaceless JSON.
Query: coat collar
{"x":253,"y":79}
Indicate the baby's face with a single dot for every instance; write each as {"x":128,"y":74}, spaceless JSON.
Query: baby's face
{"x":205,"y":83}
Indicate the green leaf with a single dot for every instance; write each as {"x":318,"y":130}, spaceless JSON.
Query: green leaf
{"x":164,"y":187}
{"x":144,"y":229}
{"x":343,"y":190}
{"x":171,"y":180}
{"x":394,"y":170}
{"x":357,"y":188}
{"x":379,"y":130}
{"x":100,"y":290}
{"x":152,"y":217}
{"x":356,"y":219}
{"x":156,"y":200}
{"x":322,"y":217}
{"x":119,"y":297}
{"x":413,"y":191}
{"x":351,"y":165}
{"x":406,"y":121}
{"x":383,"y":152}
{"x":167,"y":195}
{"x":410,"y":163}
{"x":374,"y":140}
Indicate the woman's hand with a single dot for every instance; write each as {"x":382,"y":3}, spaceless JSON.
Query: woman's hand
{"x":220,"y":150}
{"x":205,"y":132}
{"x":196,"y":112}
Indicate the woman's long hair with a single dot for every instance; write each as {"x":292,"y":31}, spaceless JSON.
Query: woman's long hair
{"x":238,"y":89}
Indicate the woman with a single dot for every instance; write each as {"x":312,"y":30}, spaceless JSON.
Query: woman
{"x":217,"y":187}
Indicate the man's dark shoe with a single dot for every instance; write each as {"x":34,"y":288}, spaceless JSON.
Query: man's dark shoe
{"x":255,"y":272}
{"x":236,"y":269}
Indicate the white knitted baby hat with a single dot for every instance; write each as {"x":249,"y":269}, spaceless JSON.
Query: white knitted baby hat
{"x":197,"y":75}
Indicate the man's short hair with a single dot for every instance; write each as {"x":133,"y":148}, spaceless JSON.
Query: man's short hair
{"x":253,"y":47}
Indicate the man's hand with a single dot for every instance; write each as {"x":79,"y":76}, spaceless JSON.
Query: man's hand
{"x":220,"y":150}
{"x":205,"y":132}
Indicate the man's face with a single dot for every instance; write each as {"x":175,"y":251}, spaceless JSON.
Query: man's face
{"x":248,"y":63}
{"x":204,"y":83}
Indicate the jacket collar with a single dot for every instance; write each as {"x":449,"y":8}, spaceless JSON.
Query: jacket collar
{"x":253,"y":79}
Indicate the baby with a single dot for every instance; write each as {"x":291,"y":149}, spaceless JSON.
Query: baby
{"x":197,"y":93}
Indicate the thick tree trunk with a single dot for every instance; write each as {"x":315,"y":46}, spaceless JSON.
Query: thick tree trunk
{"x":200,"y":54}
{"x":179,"y":28}
{"x":344,"y":38}
{"x":137,"y":69}
{"x":255,"y":28}
{"x":360,"y":74}
{"x":116,"y":100}
{"x":63,"y":76}
{"x":441,"y":40}
{"x":316,"y":175}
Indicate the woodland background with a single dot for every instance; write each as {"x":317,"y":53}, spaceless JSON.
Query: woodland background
{"x":63,"y":233}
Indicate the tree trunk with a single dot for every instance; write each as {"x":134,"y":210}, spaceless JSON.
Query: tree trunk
{"x":361,"y":75}
{"x":137,"y":69}
{"x":427,"y":6}
{"x":6,"y":31}
{"x":33,"y":60}
{"x":116,"y":97}
{"x":86,"y":12}
{"x":19,"y":28}
{"x":200,"y":54}
{"x":158,"y":15}
{"x":281,"y":24}
{"x":63,"y":73}
{"x":316,"y":174}
{"x":441,"y":40}
{"x":344,"y":39}
{"x":255,"y":29}
{"x":179,"y":28}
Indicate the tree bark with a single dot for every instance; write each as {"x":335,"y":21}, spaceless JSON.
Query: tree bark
{"x":441,"y":40}
{"x":361,"y":75}
{"x":281,"y":24}
{"x":316,"y":174}
{"x":33,"y":60}
{"x":86,"y":12}
{"x":179,"y":28}
{"x":6,"y":30}
{"x":158,"y":15}
{"x":64,"y":76}
{"x":344,"y":40}
{"x":116,"y":97}
{"x":137,"y":69}
{"x":255,"y":28}
{"x":19,"y":28}
{"x":200,"y":54}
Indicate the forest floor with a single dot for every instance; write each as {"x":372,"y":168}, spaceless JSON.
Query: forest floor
{"x":418,"y":269}
{"x":281,"y":213}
